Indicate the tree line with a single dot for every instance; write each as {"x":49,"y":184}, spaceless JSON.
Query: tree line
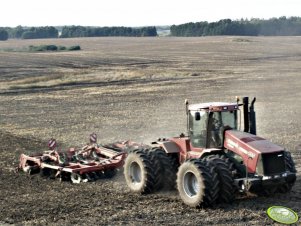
{"x":254,"y":27}
{"x":20,"y":32}
{"x":81,"y":31}
{"x":3,"y":34}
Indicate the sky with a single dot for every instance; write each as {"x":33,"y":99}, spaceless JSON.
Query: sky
{"x":134,"y":13}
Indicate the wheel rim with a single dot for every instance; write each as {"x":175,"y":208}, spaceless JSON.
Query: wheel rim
{"x":191,"y":185}
{"x":135,"y":173}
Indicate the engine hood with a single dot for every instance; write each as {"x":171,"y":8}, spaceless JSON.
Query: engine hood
{"x":248,"y":143}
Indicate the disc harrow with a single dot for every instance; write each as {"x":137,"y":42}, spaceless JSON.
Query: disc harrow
{"x":91,"y":162}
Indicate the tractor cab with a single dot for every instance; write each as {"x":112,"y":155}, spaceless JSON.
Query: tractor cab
{"x":207,"y":123}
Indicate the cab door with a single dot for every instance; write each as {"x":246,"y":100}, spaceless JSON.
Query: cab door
{"x":198,"y":121}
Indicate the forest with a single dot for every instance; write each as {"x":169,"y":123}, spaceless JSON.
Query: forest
{"x":20,"y":32}
{"x":255,"y":27}
{"x":81,"y":31}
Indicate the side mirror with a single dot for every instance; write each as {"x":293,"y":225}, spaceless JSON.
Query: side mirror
{"x":197,"y":116}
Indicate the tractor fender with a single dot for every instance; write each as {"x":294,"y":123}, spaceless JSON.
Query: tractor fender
{"x":211,"y":151}
{"x":168,"y":146}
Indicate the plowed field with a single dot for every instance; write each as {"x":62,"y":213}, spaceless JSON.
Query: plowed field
{"x":134,"y":89}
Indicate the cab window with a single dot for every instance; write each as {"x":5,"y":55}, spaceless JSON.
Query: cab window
{"x":198,"y":128}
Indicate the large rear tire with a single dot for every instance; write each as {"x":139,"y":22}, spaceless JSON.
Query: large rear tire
{"x":226,"y":185}
{"x":197,"y":183}
{"x":139,"y":172}
{"x":165,"y":167}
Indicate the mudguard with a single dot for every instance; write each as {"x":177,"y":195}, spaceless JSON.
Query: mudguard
{"x":170,"y":147}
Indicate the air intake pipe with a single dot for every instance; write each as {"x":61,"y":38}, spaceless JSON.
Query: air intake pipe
{"x":245,"y":101}
{"x":252,"y":117}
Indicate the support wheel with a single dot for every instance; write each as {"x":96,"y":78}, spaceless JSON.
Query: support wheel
{"x":197,"y":183}
{"x":76,"y":178}
{"x":139,"y":172}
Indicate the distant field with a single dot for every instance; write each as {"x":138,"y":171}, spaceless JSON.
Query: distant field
{"x":134,"y":88}
{"x":168,"y":69}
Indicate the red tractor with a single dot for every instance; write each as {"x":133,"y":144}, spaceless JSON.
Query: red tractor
{"x":215,"y":161}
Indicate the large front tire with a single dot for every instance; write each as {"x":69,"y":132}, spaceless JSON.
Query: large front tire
{"x":227,"y":189}
{"x":197,"y":183}
{"x":290,"y":167}
{"x":139,"y":172}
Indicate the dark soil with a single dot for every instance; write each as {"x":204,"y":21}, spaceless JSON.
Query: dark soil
{"x":135,"y":89}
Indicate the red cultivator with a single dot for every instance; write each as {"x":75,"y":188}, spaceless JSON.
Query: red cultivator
{"x":91,"y":162}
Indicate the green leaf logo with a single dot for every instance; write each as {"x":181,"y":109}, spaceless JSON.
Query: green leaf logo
{"x":282,"y":214}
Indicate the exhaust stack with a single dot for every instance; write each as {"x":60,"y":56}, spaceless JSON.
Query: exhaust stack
{"x":249,"y":116}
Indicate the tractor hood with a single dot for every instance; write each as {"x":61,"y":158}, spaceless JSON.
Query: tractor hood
{"x":248,"y":144}
{"x":250,"y":147}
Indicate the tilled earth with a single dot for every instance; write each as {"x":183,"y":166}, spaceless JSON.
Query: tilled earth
{"x":31,"y":200}
{"x":126,"y":88}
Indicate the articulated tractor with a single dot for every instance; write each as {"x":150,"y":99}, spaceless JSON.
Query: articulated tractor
{"x":215,"y":161}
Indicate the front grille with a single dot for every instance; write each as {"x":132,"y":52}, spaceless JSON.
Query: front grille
{"x":273,"y":163}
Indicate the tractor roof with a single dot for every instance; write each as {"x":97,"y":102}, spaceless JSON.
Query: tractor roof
{"x":214,"y":106}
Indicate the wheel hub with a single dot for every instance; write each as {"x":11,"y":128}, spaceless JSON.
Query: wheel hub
{"x":135,"y":173}
{"x":191,"y":185}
